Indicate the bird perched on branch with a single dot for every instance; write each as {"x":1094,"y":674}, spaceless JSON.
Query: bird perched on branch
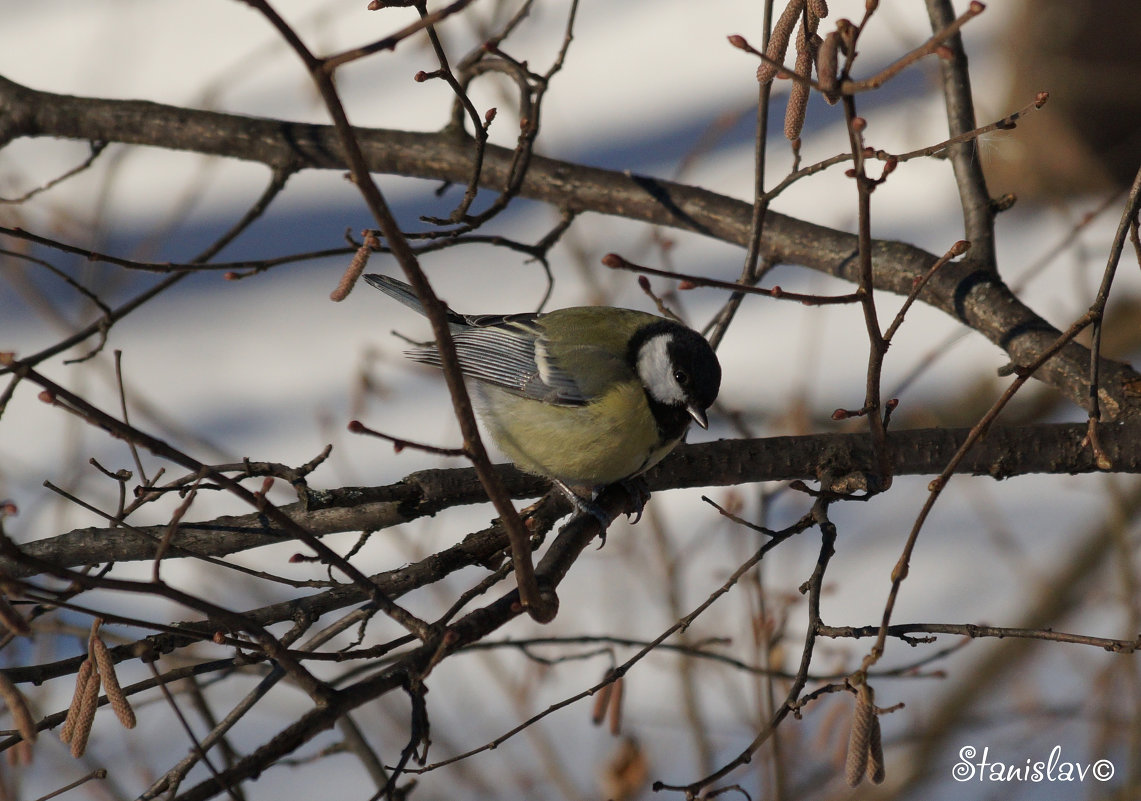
{"x":585,"y":396}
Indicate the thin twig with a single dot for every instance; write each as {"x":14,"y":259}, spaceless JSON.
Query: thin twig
{"x":977,"y":631}
{"x":1128,"y":221}
{"x":936,"y":487}
{"x":812,"y":588}
{"x":958,"y":249}
{"x":616,"y":262}
{"x":96,"y":149}
{"x":194,"y":742}
{"x":399,"y":443}
{"x":540,"y":606}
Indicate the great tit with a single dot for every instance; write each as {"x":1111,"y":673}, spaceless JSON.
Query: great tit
{"x":585,"y":396}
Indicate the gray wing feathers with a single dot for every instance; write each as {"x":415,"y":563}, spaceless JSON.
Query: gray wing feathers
{"x":506,"y":350}
{"x":511,"y":356}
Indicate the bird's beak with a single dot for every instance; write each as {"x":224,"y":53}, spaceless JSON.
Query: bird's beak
{"x":698,"y":415}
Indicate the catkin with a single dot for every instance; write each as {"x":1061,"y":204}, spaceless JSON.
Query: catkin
{"x":355,"y":268}
{"x":18,"y":706}
{"x":798,"y":95}
{"x":86,"y":717}
{"x":616,"y":707}
{"x":81,"y":677}
{"x":601,"y":702}
{"x":778,"y":41}
{"x":857,"y":762}
{"x":875,"y":770}
{"x":828,"y":67}
{"x":115,"y":695}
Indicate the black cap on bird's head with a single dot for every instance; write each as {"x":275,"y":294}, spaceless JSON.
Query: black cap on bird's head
{"x":679,"y":371}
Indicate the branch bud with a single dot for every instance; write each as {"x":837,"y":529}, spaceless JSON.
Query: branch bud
{"x":613,"y":261}
{"x":1003,"y":203}
{"x":848,"y":32}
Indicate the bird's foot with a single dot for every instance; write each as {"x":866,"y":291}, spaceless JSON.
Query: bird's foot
{"x":635,"y":487}
{"x":585,"y":506}
{"x":639,"y":492}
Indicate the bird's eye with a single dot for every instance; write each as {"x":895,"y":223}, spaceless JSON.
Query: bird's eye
{"x":681,"y":377}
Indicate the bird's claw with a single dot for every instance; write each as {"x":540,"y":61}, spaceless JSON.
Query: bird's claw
{"x":639,"y":493}
{"x":636,"y":489}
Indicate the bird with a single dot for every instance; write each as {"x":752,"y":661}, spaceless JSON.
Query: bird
{"x":585,"y":396}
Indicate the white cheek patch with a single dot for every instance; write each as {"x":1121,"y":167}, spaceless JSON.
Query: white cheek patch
{"x":657,"y":372}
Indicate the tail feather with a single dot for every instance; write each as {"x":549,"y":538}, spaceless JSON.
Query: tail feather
{"x":396,"y":289}
{"x":405,"y":294}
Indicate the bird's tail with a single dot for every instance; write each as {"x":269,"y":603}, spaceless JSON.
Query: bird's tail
{"x":406,"y":295}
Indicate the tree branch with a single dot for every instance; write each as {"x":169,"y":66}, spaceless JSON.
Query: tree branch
{"x":978,"y":211}
{"x":1002,"y":453}
{"x":968,"y":290}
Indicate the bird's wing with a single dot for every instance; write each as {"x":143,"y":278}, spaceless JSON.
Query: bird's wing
{"x":510,"y":352}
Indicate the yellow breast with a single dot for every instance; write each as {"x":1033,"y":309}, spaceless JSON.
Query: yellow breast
{"x":599,"y":443}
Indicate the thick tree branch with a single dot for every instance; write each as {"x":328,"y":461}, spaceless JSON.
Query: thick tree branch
{"x":1003,"y":452}
{"x":968,"y":290}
